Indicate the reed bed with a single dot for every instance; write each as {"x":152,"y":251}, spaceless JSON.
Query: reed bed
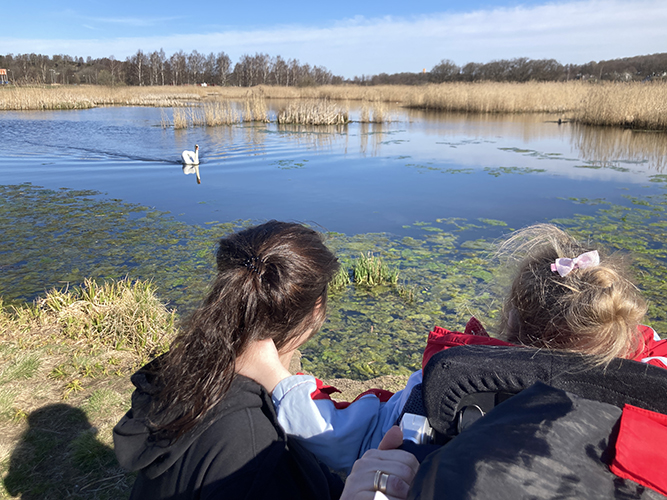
{"x":313,"y":112}
{"x":89,"y":96}
{"x":376,"y":112}
{"x":544,"y":97}
{"x":631,"y":105}
{"x":212,"y":114}
{"x":628,"y":104}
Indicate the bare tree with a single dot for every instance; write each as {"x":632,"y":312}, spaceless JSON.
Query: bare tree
{"x":178,"y":67}
{"x":445,"y":71}
{"x":138,"y":63}
{"x":223,"y":66}
{"x":280,"y":71}
{"x":195,"y":66}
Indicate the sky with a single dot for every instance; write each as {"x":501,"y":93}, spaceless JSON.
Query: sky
{"x":348,"y":37}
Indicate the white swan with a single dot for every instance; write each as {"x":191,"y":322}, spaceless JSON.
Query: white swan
{"x":191,"y":157}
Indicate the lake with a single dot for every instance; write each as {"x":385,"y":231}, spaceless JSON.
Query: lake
{"x":101,"y":193}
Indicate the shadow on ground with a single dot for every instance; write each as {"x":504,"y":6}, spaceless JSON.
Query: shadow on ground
{"x":59,"y":456}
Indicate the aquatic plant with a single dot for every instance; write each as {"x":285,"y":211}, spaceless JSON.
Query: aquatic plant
{"x":340,"y":280}
{"x":374,"y":112}
{"x":446,"y":270}
{"x":369,"y":270}
{"x":313,"y":112}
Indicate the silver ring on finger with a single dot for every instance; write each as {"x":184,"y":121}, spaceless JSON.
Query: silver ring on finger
{"x":380,"y":481}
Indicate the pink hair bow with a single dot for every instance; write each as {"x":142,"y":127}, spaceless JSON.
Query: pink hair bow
{"x":564,"y":266}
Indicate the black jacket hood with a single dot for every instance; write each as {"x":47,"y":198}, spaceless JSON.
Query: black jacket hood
{"x":137,"y":448}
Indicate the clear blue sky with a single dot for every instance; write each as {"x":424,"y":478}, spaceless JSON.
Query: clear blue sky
{"x":348,"y":37}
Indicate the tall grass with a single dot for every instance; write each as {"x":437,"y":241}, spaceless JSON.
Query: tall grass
{"x":313,"y":112}
{"x":118,"y":314}
{"x":493,"y":97}
{"x":633,"y":105}
{"x":629,"y":104}
{"x":88,"y":96}
{"x":376,"y":112}
{"x":211,"y":114}
{"x":369,"y":270}
{"x":221,"y":113}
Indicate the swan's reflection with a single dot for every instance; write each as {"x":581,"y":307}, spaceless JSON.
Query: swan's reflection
{"x":192,"y":169}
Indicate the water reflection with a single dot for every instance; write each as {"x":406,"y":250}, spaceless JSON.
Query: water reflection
{"x":372,"y":133}
{"x":608,"y":146}
{"x":318,"y":137}
{"x":192,"y":169}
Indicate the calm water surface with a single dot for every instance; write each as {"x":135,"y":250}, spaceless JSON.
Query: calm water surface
{"x":362,"y":178}
{"x":421,"y":191}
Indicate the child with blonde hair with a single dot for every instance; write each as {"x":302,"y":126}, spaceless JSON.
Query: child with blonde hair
{"x":565,"y":295}
{"x":571,"y":296}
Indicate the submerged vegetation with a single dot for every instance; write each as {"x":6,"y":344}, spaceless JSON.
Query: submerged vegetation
{"x":639,"y":105}
{"x":446,"y":272}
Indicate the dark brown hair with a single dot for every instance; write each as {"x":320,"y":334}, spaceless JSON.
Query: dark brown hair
{"x":270,"y":279}
{"x":593,"y":311}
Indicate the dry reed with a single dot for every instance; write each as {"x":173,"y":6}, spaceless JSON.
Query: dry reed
{"x":313,"y":112}
{"x":545,"y":97}
{"x":211,"y":114}
{"x":221,"y":113}
{"x":634,"y":105}
{"x":88,"y":96}
{"x":377,"y":112}
{"x":631,"y":104}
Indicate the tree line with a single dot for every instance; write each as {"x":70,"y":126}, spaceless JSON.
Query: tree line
{"x":523,"y":69}
{"x":195,"y":68}
{"x":155,"y":68}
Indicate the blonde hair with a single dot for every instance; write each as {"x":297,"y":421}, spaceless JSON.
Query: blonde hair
{"x":596,"y":310}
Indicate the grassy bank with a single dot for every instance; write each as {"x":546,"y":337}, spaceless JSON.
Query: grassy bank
{"x":65,"y":366}
{"x":65,"y":362}
{"x":632,"y":104}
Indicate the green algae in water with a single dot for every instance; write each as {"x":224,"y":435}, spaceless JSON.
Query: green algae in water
{"x":55,"y":237}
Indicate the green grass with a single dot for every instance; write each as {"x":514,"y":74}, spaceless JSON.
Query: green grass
{"x":65,"y":362}
{"x":122,"y":314}
{"x":7,"y":398}
{"x":101,"y":400}
{"x":341,"y":279}
{"x":369,"y":270}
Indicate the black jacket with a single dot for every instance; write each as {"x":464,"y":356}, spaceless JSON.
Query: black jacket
{"x":239,"y":452}
{"x":536,"y":441}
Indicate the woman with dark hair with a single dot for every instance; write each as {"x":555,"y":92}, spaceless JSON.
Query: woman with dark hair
{"x":202,"y":423}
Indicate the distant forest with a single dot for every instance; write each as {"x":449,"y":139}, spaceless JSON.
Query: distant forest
{"x":155,"y":68}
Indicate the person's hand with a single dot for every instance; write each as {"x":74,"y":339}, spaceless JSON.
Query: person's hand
{"x":399,"y":465}
{"x":262,"y":363}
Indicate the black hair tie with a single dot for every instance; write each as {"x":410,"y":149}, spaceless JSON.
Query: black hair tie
{"x":251,"y":263}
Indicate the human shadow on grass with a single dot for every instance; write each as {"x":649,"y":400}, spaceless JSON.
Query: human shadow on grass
{"x":59,"y":456}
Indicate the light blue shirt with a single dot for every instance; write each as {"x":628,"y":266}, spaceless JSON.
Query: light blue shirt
{"x":338,"y":437}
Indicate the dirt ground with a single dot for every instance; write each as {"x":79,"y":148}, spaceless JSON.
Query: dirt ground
{"x":349,"y":389}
